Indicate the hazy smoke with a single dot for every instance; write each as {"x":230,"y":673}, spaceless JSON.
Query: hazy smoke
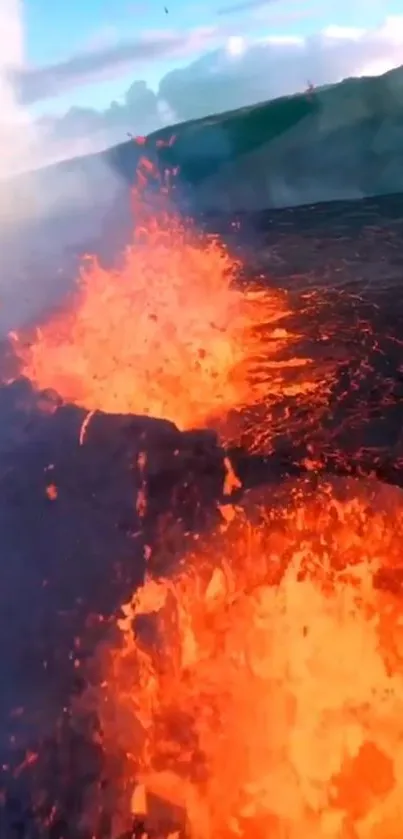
{"x":41,"y":221}
{"x":17,"y":132}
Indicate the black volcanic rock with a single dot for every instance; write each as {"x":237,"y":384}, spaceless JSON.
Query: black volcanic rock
{"x":72,"y":538}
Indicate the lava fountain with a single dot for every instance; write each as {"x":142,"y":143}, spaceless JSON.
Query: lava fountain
{"x":260,"y":688}
{"x":169,"y":333}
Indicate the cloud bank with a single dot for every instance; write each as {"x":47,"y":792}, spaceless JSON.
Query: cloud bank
{"x":277,"y":66}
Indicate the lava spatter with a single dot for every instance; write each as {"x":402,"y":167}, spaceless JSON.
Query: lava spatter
{"x":260,"y":688}
{"x":171,"y":334}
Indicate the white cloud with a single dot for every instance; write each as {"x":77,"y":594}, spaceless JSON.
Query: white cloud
{"x":12,"y":36}
{"x":279,"y":65}
{"x":235,"y":45}
{"x":343,"y":33}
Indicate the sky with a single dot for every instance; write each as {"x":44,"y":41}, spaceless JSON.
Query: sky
{"x":78,"y":76}
{"x":56,"y":31}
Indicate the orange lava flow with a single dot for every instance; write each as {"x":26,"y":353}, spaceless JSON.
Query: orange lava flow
{"x":168,"y":334}
{"x":260,"y":689}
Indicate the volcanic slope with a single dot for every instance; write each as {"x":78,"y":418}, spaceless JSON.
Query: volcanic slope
{"x":335,"y":142}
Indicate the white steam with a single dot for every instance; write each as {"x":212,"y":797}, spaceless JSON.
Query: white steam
{"x":17,"y":131}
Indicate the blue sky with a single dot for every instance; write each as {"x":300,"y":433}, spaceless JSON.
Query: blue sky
{"x":56,"y":31}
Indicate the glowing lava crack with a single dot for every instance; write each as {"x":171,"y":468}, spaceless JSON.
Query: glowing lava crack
{"x":260,"y":689}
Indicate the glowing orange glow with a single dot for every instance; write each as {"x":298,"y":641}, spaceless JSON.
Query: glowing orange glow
{"x":169,"y":334}
{"x":257,"y":690}
{"x":261,"y":687}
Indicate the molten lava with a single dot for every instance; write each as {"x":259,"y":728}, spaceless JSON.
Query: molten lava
{"x":261,"y":687}
{"x":257,"y":691}
{"x":169,"y":334}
